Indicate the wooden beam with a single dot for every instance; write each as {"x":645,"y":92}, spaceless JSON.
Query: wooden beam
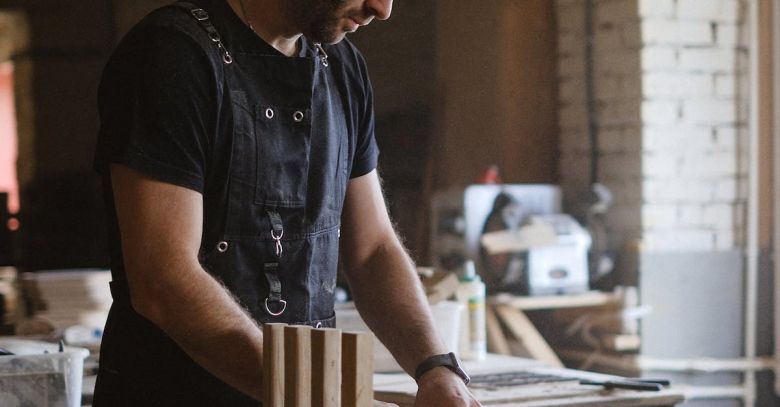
{"x":326,"y":367}
{"x":522,"y":328}
{"x":297,"y":373}
{"x":495,"y":335}
{"x":273,"y":365}
{"x":357,"y":369}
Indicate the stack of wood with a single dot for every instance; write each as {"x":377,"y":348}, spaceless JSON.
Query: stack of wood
{"x":583,"y":335}
{"x":305,"y":367}
{"x":9,"y":299}
{"x":68,"y":298}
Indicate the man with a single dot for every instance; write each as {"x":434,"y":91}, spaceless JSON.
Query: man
{"x":238,"y":157}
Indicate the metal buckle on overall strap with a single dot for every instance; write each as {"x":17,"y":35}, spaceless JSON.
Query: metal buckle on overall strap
{"x":271,"y":270}
{"x":203,"y":19}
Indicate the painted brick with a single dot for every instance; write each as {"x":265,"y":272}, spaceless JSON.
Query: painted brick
{"x":709,"y":165}
{"x":725,"y":138}
{"x":631,"y":86}
{"x":657,"y":8}
{"x":660,"y":112}
{"x":716,"y":10}
{"x":725,"y":85}
{"x":677,"y":138}
{"x":571,"y":17}
{"x":675,"y":190}
{"x":632,"y":34}
{"x":719,"y":216}
{"x":690,"y":215}
{"x":725,"y":239}
{"x":659,"y":216}
{"x":708,"y":59}
{"x":668,"y":84}
{"x":678,"y":240}
{"x":632,"y":140}
{"x":725,"y":190}
{"x":671,"y":32}
{"x":660,"y":165}
{"x":728,"y":35}
{"x":709,"y":111}
{"x":658,"y":58}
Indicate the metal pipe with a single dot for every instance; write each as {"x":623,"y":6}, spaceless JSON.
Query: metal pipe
{"x":776,"y":186}
{"x":705,"y":365}
{"x":751,"y":249}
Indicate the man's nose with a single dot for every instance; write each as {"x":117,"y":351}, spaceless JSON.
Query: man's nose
{"x":381,"y":9}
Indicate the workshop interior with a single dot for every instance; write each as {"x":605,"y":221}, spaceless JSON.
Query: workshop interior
{"x":589,"y":189}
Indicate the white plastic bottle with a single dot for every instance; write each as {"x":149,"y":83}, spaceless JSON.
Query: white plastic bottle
{"x":471,"y":293}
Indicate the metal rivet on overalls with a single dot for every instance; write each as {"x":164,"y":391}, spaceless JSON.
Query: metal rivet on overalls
{"x":298,"y":116}
{"x":318,"y":326}
{"x":269,"y":113}
{"x":222,"y":246}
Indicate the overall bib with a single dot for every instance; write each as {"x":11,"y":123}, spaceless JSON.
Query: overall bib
{"x":275,"y":185}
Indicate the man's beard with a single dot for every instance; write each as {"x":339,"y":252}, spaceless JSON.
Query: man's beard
{"x":318,"y":20}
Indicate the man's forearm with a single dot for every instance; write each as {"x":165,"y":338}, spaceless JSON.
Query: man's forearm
{"x":202,"y":317}
{"x":391,"y":300}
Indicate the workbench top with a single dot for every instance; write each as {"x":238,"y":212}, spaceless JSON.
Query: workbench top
{"x":400,"y":388}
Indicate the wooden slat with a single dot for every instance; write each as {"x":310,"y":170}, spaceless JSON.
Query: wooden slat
{"x":326,"y":367}
{"x":273,"y":365}
{"x":297,"y":373}
{"x":522,"y":328}
{"x":495,"y":335}
{"x":587,"y":299}
{"x":357,"y":369}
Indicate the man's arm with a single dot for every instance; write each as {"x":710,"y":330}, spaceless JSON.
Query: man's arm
{"x":160,"y":227}
{"x":389,"y":295}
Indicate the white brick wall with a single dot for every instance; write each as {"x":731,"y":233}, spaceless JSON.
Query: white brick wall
{"x":669,"y":83}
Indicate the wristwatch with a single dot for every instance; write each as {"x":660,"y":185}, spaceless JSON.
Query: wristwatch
{"x":448,"y":360}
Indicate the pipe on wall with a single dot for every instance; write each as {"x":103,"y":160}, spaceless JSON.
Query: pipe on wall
{"x":751,"y":248}
{"x":776,"y":183}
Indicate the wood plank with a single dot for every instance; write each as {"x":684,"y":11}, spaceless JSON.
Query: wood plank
{"x":273,"y":365}
{"x":495,"y":335}
{"x":326,"y":367}
{"x":587,"y":299}
{"x":297,"y":373}
{"x":357,"y":369}
{"x":522,"y":328}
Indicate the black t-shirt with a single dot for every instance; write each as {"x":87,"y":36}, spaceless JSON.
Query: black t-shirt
{"x":160,"y":110}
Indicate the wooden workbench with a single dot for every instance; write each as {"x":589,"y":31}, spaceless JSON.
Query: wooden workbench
{"x":400,"y":388}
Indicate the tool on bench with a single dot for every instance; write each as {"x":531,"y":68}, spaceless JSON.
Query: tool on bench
{"x":629,"y":384}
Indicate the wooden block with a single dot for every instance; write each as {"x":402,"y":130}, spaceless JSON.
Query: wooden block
{"x":297,"y":372}
{"x":326,"y":367}
{"x":357,"y":387}
{"x":273,"y":365}
{"x":495,"y":335}
{"x":522,"y":328}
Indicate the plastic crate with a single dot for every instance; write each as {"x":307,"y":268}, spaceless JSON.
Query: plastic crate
{"x":446,"y":318}
{"x":38,"y":374}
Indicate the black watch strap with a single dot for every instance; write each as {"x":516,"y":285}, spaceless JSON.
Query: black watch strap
{"x":448,"y":360}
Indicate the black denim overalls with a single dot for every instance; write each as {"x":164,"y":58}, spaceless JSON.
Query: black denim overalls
{"x":273,"y":198}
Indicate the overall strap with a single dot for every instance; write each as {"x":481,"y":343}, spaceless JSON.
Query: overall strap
{"x":205,"y":22}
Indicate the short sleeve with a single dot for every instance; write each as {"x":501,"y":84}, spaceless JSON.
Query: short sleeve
{"x":367,"y":151}
{"x":157,"y":103}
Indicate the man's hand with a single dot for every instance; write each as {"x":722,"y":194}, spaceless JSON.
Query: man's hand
{"x":440,"y":387}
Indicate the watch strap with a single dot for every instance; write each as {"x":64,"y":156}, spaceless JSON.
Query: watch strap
{"x":448,"y":360}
